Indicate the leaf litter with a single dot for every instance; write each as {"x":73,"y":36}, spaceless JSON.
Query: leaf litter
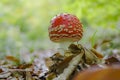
{"x":51,"y":65}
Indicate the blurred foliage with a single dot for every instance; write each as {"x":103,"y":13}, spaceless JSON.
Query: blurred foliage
{"x":101,"y":13}
{"x":24,"y":23}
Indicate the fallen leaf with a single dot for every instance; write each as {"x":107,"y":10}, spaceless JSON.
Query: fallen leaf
{"x":24,"y":66}
{"x":99,"y":55}
{"x":111,"y":60}
{"x":5,"y":74}
{"x":13,"y":59}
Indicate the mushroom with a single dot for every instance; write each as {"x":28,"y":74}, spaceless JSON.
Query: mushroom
{"x":65,"y":29}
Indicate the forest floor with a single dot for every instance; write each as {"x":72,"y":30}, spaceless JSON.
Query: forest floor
{"x":51,"y":65}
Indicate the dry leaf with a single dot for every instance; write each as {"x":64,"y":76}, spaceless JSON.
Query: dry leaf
{"x":95,"y":46}
{"x":13,"y":59}
{"x":28,"y":76}
{"x":4,"y":74}
{"x":1,"y":70}
{"x":105,"y":41}
{"x":99,"y":55}
{"x":59,"y":67}
{"x":75,"y":49}
{"x":24,"y":66}
{"x":111,"y":60}
{"x":51,"y":76}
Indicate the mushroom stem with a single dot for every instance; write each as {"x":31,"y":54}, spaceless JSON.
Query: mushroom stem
{"x":64,"y":46}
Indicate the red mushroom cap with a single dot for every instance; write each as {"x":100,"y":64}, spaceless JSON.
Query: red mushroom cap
{"x":65,"y":27}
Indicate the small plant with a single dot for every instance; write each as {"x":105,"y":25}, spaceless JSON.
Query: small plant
{"x":93,"y":39}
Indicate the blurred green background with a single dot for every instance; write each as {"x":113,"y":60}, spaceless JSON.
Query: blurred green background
{"x":24,"y":23}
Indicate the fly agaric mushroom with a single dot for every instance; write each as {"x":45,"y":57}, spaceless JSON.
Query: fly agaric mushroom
{"x":65,"y":29}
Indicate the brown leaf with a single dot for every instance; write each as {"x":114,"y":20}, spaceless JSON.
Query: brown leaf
{"x":59,"y":67}
{"x":95,"y":46}
{"x":28,"y":76}
{"x":48,"y":62}
{"x":1,"y":70}
{"x":90,"y":57}
{"x":24,"y":66}
{"x":111,"y":60}
{"x":13,"y":59}
{"x":75,"y":49}
{"x":57,"y":57}
{"x":99,"y":55}
{"x":105,"y":41}
{"x":51,"y":76}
